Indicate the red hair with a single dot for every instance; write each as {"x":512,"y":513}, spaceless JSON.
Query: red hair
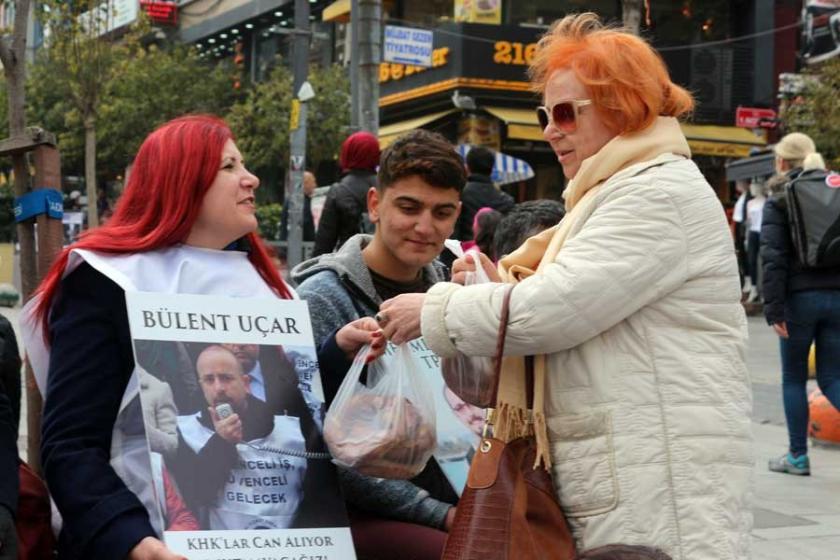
{"x":171,"y":173}
{"x":626,"y":78}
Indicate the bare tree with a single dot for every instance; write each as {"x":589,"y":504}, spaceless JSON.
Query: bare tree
{"x":631,"y":14}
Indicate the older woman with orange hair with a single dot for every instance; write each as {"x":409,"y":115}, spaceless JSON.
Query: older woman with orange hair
{"x":630,"y":305}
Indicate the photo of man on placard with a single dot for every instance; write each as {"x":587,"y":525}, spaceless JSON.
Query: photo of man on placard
{"x":252,"y":457}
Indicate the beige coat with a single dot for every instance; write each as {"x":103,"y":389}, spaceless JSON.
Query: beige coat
{"x":648,"y":397}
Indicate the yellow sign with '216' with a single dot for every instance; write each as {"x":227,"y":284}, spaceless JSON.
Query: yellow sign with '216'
{"x":508,"y":52}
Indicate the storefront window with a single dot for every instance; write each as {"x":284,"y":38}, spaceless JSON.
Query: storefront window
{"x":689,"y":21}
{"x":427,"y":13}
{"x":544,"y":12}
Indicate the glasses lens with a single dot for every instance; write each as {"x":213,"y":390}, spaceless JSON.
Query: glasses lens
{"x":542,"y":117}
{"x":564,"y":116}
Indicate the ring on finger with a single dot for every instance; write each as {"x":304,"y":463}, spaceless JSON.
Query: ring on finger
{"x":381,"y":318}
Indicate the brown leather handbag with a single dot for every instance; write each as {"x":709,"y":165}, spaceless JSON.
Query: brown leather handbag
{"x":508,"y":510}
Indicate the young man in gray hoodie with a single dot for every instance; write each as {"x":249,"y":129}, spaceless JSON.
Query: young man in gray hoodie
{"x":414,"y":207}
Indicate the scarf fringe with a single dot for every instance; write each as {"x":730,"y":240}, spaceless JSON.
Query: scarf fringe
{"x":511,"y":422}
{"x":543,"y":449}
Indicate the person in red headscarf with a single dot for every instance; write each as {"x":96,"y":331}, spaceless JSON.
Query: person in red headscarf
{"x":345,"y":211}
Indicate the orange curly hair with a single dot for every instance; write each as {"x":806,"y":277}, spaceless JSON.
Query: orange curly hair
{"x":625,"y":77}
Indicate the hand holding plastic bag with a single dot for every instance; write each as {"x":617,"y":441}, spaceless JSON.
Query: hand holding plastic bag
{"x":387,"y":427}
{"x":471,"y":378}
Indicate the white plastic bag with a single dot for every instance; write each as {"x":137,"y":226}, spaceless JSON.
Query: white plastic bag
{"x":470,"y":377}
{"x":384,"y":429}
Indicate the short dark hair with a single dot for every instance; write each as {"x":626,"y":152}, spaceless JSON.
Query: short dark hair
{"x":485,"y":234}
{"x":425,"y":154}
{"x":623,"y":552}
{"x":481,"y":160}
{"x":524,"y":220}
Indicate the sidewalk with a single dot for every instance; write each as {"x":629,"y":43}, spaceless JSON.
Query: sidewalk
{"x":796,"y":517}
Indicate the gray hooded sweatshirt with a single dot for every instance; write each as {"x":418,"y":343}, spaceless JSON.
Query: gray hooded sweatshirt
{"x":339,"y":289}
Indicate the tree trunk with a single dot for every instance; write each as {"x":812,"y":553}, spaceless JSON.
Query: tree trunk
{"x":90,"y":171}
{"x":631,"y":15}
{"x":15,"y":82}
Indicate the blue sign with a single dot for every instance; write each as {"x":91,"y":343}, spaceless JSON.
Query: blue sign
{"x":407,"y":45}
{"x":39,"y":201}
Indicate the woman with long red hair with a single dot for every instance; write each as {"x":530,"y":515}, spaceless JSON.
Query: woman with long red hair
{"x":185,"y":224}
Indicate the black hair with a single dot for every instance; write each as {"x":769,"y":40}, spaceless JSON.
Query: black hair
{"x":524,"y":220}
{"x":487,"y":223}
{"x":425,"y":154}
{"x":481,"y":160}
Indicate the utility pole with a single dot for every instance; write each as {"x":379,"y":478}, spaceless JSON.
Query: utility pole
{"x":366,"y":38}
{"x":297,"y":142}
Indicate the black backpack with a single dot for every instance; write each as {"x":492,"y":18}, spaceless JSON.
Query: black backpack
{"x":364,"y":223}
{"x":813,"y":200}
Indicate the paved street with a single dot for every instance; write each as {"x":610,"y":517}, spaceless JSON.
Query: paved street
{"x":795,"y":517}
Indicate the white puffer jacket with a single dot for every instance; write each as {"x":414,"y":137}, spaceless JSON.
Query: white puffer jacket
{"x":648,"y":397}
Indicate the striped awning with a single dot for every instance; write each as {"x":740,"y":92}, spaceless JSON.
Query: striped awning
{"x":507,"y":169}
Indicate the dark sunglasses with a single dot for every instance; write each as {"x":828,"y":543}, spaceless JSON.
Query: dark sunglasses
{"x":563,"y":114}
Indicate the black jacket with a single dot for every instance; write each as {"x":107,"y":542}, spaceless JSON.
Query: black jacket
{"x":10,"y":368}
{"x":8,"y":457}
{"x":9,"y":415}
{"x":782,"y":272}
{"x":346,"y":201}
{"x":308,"y":222}
{"x":478,"y":193}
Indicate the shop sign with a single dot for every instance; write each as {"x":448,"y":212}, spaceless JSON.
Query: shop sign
{"x":408,"y":45}
{"x":391,"y":72}
{"x":722,"y":149}
{"x":160,"y":11}
{"x":110,"y":15}
{"x":751,"y":117}
{"x":478,"y":11}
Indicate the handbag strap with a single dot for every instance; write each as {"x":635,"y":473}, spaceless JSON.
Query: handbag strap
{"x":500,"y":342}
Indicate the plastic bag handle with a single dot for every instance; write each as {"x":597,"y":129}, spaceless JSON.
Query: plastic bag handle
{"x":348,"y":385}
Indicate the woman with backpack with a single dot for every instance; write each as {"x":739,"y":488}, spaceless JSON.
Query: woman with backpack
{"x":801,"y":303}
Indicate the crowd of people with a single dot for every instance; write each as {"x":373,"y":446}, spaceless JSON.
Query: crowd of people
{"x":626,"y":294}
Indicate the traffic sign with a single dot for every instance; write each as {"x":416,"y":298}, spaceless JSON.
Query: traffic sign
{"x":751,"y":117}
{"x":407,"y":45}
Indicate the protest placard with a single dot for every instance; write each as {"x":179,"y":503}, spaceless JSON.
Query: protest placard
{"x":233,"y":410}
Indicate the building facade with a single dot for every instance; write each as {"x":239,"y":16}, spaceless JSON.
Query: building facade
{"x":476,"y":90}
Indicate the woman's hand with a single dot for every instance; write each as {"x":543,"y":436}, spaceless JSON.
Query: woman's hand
{"x":352,"y":336}
{"x":399,"y":317}
{"x":466,"y":264}
{"x":450,"y":519}
{"x":781,"y":329}
{"x":151,"y":548}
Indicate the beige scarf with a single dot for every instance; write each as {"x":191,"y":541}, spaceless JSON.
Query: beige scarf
{"x":537,"y":253}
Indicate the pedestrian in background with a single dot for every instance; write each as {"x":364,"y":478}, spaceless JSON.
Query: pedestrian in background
{"x":309,"y":186}
{"x":631,"y":307}
{"x":754,"y":211}
{"x":801,"y":304}
{"x":525,"y":220}
{"x":345,"y":210}
{"x":479,"y":192}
